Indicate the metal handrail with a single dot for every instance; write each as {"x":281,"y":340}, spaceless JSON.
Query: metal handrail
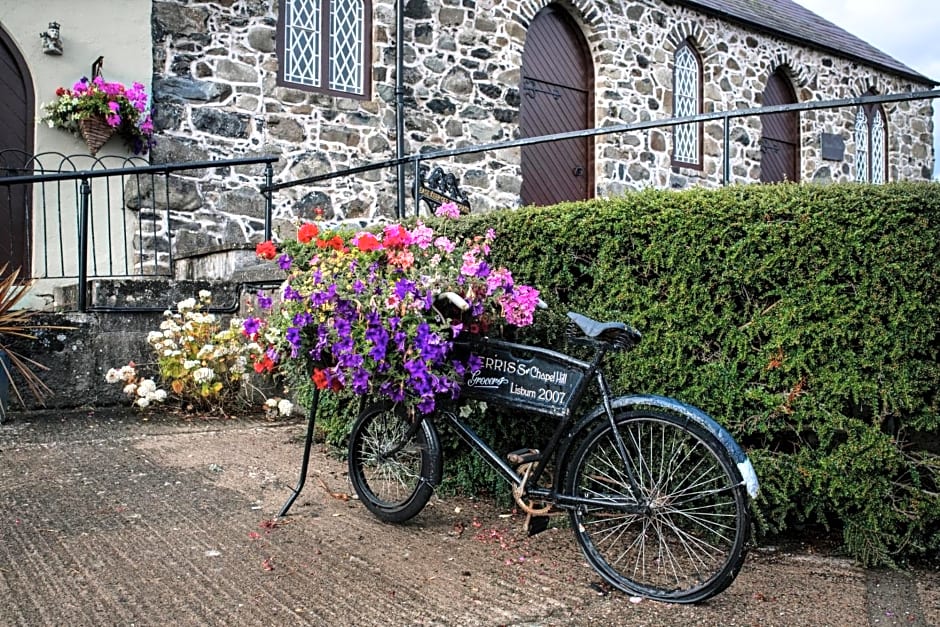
{"x":724,"y":116}
{"x":166,"y":168}
{"x":83,"y":179}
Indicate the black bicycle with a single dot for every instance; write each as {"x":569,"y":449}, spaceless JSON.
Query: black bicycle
{"x":656,"y":490}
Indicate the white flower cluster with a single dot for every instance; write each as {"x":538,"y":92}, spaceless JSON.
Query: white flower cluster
{"x":202,"y":360}
{"x":143,"y":391}
{"x":283,"y":406}
{"x":203,"y":375}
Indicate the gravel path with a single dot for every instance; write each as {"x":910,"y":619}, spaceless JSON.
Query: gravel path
{"x":109,"y":519}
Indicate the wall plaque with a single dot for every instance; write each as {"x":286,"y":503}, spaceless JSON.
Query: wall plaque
{"x":833,"y":147}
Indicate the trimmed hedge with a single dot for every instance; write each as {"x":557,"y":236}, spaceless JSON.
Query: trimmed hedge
{"x":802,"y":317}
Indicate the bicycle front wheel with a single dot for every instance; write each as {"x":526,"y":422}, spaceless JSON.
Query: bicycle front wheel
{"x":689,"y":540}
{"x":393,"y":468}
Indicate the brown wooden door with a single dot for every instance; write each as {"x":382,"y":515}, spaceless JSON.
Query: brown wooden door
{"x":16,"y":143}
{"x":780,"y":137}
{"x":557,"y":96}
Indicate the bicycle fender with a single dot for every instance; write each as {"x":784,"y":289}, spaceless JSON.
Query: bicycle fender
{"x":696,"y":415}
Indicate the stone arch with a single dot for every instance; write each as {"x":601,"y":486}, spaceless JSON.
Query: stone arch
{"x":865,"y":85}
{"x":583,"y":9}
{"x":693,"y":32}
{"x":798,"y":73}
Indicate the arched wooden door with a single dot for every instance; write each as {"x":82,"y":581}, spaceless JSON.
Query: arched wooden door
{"x":780,"y":137}
{"x":557,"y":93}
{"x":16,"y":146}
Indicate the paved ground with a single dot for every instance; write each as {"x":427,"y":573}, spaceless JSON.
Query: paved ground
{"x":108,"y":519}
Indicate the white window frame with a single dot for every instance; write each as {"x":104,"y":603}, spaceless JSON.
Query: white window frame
{"x":686,"y":101}
{"x":325,"y":46}
{"x":871,"y":144}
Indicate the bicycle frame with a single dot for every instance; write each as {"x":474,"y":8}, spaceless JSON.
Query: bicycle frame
{"x":500,"y":363}
{"x":564,"y":434}
{"x":554,"y":495}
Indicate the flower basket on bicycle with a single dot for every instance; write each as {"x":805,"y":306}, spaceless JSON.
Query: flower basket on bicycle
{"x":371,"y":311}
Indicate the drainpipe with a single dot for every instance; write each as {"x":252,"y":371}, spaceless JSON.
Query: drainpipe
{"x":400,"y":102}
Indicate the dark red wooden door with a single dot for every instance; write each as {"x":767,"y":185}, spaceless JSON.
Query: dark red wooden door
{"x":557,"y":97}
{"x":780,"y":137}
{"x":16,"y":142}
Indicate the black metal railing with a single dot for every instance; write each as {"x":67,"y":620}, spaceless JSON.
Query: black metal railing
{"x":98,"y":221}
{"x":70,"y":211}
{"x":725,"y":117}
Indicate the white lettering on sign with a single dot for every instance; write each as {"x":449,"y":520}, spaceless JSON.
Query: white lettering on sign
{"x":518,"y":390}
{"x":528,"y":382}
{"x":486,"y":382}
{"x":557,"y":377}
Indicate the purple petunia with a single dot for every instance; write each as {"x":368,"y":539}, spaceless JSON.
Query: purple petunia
{"x":290,"y":293}
{"x":251,"y":326}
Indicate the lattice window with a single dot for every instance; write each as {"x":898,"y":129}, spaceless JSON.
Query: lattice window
{"x":871,"y":145}
{"x":324,"y":45}
{"x":301,"y":55}
{"x":878,"y":140}
{"x":347,"y":33}
{"x":861,"y":146}
{"x":687,"y":100}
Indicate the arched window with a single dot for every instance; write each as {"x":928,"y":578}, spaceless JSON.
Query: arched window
{"x":861,"y":146}
{"x":687,"y":100}
{"x":325,"y":46}
{"x":878,"y":138}
{"x":871,"y":144}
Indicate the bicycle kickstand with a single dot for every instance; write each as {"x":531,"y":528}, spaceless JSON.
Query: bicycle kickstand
{"x":308,"y":445}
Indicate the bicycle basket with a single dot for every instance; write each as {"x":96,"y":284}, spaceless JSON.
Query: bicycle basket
{"x":526,"y":377}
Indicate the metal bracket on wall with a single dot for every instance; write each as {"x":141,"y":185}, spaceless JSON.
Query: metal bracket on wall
{"x":530,"y":89}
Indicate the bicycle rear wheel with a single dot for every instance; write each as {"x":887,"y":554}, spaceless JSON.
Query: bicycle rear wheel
{"x":689,"y":542}
{"x":393,"y":473}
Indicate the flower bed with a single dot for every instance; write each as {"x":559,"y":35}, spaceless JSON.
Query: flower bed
{"x":377,"y":313}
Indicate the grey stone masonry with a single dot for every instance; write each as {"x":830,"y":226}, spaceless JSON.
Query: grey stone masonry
{"x":216,"y":95}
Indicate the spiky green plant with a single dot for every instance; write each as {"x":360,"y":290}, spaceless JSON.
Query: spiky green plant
{"x":19,"y":323}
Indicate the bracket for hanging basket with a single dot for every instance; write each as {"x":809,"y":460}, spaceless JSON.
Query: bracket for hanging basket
{"x":95,"y":131}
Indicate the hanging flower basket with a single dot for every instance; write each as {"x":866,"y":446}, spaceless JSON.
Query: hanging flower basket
{"x":96,"y":132}
{"x":96,"y":110}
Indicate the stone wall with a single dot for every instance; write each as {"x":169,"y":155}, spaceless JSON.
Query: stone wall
{"x":216,"y":95}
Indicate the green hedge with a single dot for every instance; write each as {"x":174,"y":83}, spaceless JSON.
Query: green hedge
{"x":802,"y":317}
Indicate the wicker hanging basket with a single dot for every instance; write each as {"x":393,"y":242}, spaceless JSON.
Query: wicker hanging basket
{"x":96,"y":132}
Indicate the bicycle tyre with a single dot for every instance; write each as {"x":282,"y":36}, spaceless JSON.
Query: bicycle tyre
{"x":691,"y":541}
{"x":395,"y":489}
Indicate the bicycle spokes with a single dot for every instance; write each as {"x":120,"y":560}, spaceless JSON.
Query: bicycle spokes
{"x":690,"y":521}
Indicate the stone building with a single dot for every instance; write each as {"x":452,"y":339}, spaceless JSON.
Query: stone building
{"x":490,"y":70}
{"x":315,"y":83}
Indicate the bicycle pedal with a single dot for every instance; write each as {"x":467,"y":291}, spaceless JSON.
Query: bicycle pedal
{"x":524,"y":456}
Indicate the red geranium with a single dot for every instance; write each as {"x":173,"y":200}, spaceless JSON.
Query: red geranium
{"x":367,"y":242}
{"x":264,"y":364}
{"x":266,"y":250}
{"x":335,"y":242}
{"x":307,"y":232}
{"x":322,"y":382}
{"x":396,"y":236}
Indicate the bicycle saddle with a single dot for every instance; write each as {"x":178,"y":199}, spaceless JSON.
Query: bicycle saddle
{"x":616,"y":333}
